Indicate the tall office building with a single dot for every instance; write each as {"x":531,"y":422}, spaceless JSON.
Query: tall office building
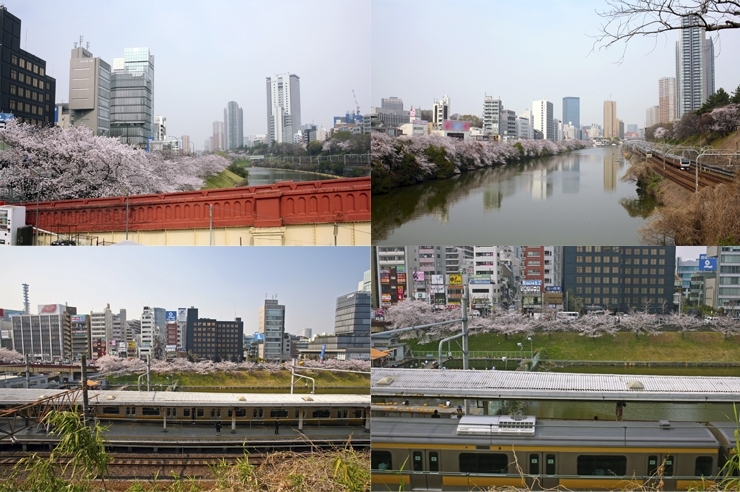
{"x":666,"y":99}
{"x":542,"y":119}
{"x":392,"y":103}
{"x":132,"y":97}
{"x":234,"y":125}
{"x":572,"y":111}
{"x":160,"y":128}
{"x":441,"y":112}
{"x":620,"y":278}
{"x":214,"y":340}
{"x":26,"y":90}
{"x":492,"y":109}
{"x":47,"y":335}
{"x":89,"y":91}
{"x":271,"y":324}
{"x":186,"y":148}
{"x":611,"y":122}
{"x":219,"y":140}
{"x":283,"y":107}
{"x":694,"y":66}
{"x":652,"y":115}
{"x":153,"y":330}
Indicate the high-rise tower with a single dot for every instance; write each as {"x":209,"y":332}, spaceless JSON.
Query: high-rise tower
{"x":283,"y":107}
{"x":694,"y":67}
{"x":233,"y":125}
{"x":132,"y":97}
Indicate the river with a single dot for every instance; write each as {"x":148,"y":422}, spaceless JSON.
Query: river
{"x":263,"y":176}
{"x":572,"y":198}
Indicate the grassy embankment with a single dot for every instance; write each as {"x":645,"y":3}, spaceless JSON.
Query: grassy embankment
{"x":251,"y":379}
{"x":663,"y":347}
{"x":224,"y":179}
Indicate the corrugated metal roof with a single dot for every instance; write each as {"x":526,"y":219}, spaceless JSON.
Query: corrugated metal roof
{"x":177,"y":398}
{"x":548,"y":385}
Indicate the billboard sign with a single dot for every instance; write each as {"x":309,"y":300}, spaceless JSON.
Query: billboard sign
{"x":79,"y":318}
{"x":420,"y":296}
{"x":5,"y":334}
{"x":455,"y":279}
{"x":48,"y":308}
{"x":438,"y":279}
{"x":170,"y":316}
{"x":707,"y":264}
{"x":532,"y":282}
{"x":455,"y":126}
{"x":385,"y":277}
{"x":182,"y":315}
{"x":530,"y":289}
{"x":259,"y":337}
{"x":418,"y":276}
{"x":401,"y":278}
{"x":554,"y":288}
{"x":480,"y":279}
{"x":6,"y":117}
{"x":323,"y":351}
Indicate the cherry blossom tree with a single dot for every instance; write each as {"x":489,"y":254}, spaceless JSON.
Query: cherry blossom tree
{"x":726,"y":325}
{"x":52,"y":163}
{"x":10,"y":356}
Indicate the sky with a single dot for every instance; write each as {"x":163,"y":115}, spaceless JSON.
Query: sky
{"x":209,"y":53}
{"x":223,"y":283}
{"x":521,"y":52}
{"x":690,"y":252}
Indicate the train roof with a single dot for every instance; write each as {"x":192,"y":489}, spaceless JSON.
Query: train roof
{"x":551,"y":386}
{"x":576,"y":433}
{"x":186,"y":399}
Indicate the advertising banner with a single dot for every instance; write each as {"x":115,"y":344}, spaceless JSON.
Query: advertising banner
{"x":401,"y":278}
{"x":455,"y":279}
{"x":48,"y":308}
{"x":553,"y":288}
{"x":455,"y":126}
{"x":480,"y":279}
{"x":385,"y":277}
{"x":170,"y":316}
{"x":79,"y":318}
{"x":418,"y":277}
{"x":401,"y":293}
{"x":182,"y":315}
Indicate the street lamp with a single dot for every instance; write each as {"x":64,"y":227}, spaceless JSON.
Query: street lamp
{"x":521,"y":350}
{"x":531,"y":352}
{"x":505,"y":364}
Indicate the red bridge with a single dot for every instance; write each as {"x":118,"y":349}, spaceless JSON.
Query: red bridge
{"x":281,"y":204}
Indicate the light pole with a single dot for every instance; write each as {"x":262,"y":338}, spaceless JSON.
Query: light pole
{"x":521,"y":350}
{"x":506,"y":367}
{"x":531,"y":352}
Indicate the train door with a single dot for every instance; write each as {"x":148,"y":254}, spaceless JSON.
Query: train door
{"x":659,"y":467}
{"x":425,"y":470}
{"x":542,"y":471}
{"x":131,"y":412}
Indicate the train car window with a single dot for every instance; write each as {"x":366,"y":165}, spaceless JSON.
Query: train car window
{"x":534,"y":464}
{"x":358,"y":414}
{"x":215,"y":412}
{"x":257,"y":413}
{"x":601,"y":465}
{"x":483,"y":463}
{"x":278,"y":412}
{"x":297,"y":412}
{"x":240,"y":412}
{"x":381,"y":460}
{"x":321,"y":414}
{"x":550,"y":464}
{"x":186,"y":412}
{"x":703,"y":466}
{"x":150,"y":410}
{"x":418,"y":461}
{"x":652,"y":465}
{"x":433,"y":461}
{"x":113,"y":410}
{"x":200,"y":412}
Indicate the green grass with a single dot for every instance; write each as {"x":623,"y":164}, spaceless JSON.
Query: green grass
{"x":224,"y":179}
{"x":252,"y":379}
{"x":664,"y":347}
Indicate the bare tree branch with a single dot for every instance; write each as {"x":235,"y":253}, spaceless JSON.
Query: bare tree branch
{"x":626,"y":19}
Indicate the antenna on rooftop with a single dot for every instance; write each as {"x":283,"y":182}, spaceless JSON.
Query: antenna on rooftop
{"x":87,"y":46}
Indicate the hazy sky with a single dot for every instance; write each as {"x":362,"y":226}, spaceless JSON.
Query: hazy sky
{"x":209,"y":53}
{"x":690,"y":252}
{"x":223,"y":283}
{"x":520,"y":52}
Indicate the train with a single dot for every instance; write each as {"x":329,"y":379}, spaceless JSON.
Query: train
{"x":254,"y":409}
{"x":475,"y":452}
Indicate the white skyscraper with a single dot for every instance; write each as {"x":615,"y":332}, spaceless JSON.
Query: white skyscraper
{"x":283,"y":107}
{"x":492,"y":109}
{"x":441,"y":112}
{"x":542,"y":119}
{"x":694,"y":67}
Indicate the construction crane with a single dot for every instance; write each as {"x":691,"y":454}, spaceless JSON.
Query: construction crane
{"x":356,"y":103}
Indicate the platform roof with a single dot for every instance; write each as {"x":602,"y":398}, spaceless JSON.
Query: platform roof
{"x":187,"y":399}
{"x":551,"y":386}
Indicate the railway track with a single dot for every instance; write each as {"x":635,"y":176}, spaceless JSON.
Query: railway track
{"x":687,"y":178}
{"x":147,"y":466}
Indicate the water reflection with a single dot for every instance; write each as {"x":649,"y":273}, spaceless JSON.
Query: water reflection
{"x":565,"y":199}
{"x":262,"y":176}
